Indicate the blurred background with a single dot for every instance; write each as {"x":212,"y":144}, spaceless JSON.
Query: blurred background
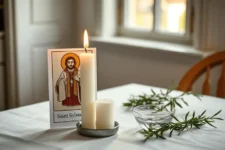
{"x":151,"y":42}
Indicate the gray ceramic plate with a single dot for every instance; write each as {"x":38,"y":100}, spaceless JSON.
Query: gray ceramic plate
{"x":97,"y":132}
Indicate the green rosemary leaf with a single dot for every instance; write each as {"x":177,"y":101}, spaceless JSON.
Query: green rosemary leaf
{"x":162,"y":137}
{"x":198,"y":96}
{"x":218,"y":118}
{"x":179,"y":126}
{"x":158,"y":98}
{"x":175,"y":118}
{"x":171,"y":132}
{"x":216,"y":114}
{"x":193,"y":116}
{"x":184,"y":101}
{"x":178,"y":104}
{"x":169,"y":90}
{"x":197,"y":126}
{"x":209,"y":123}
{"x":153,"y":92}
{"x":186,"y":116}
{"x":202,"y":114}
{"x":161,"y":92}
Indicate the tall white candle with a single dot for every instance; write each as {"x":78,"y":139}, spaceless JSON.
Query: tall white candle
{"x":88,"y":90}
{"x":88,"y":115}
{"x":104,"y":114}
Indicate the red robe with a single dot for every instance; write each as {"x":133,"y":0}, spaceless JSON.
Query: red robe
{"x":72,"y":90}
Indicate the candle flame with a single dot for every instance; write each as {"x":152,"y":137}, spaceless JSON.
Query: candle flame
{"x":86,"y":42}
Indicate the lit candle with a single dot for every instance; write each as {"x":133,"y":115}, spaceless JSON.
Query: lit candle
{"x":88,"y":87}
{"x":104,"y":114}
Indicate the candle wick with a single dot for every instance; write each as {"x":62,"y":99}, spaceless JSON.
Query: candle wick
{"x":85,"y":49}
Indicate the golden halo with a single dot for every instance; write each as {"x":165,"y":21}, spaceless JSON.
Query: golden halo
{"x":75,"y":56}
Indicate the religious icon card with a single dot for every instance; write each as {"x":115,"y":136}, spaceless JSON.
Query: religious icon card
{"x":64,"y":86}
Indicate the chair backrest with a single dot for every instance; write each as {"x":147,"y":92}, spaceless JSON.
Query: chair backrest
{"x":204,"y":66}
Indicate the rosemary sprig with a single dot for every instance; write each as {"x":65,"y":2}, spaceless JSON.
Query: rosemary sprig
{"x":164,"y":98}
{"x":180,"y":126}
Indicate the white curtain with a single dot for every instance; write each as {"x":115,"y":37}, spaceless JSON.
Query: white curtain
{"x":2,"y":68}
{"x":209,"y":25}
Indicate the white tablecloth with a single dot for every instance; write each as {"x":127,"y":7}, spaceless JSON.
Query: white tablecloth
{"x":28,"y":127}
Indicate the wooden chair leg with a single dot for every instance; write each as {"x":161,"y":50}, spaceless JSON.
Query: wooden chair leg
{"x":221,"y":83}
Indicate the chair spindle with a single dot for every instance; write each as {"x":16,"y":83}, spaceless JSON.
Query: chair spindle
{"x":206,"y":84}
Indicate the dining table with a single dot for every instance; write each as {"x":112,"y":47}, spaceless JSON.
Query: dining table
{"x":28,"y":127}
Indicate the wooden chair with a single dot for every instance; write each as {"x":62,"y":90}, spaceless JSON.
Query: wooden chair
{"x":204,"y":66}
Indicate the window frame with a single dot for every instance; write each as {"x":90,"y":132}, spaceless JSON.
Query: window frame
{"x":185,"y":38}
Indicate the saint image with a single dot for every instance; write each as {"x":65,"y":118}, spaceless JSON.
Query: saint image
{"x":68,"y":84}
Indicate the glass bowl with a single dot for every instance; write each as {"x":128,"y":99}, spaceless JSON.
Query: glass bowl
{"x":147,"y":115}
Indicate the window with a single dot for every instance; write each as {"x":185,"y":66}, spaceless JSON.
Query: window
{"x":165,"y":20}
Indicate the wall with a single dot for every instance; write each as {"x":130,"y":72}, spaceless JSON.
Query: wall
{"x":122,"y":64}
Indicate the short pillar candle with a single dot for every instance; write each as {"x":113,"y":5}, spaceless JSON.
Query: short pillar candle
{"x":104,"y":114}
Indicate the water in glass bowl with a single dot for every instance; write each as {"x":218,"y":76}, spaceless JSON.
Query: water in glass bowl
{"x":145,"y":115}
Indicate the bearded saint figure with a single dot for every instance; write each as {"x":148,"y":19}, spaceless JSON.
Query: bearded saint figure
{"x":68,"y":84}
